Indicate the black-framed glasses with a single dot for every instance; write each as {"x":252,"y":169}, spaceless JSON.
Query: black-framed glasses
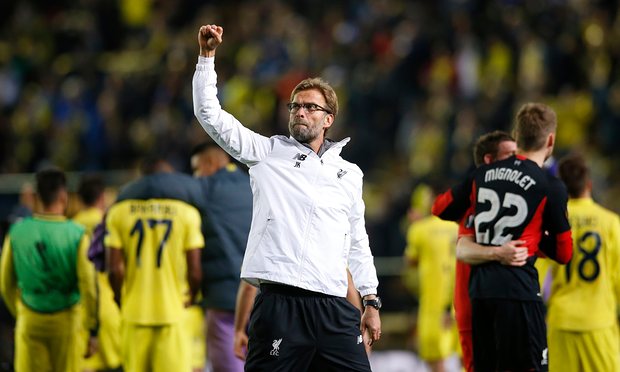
{"x":293,"y":107}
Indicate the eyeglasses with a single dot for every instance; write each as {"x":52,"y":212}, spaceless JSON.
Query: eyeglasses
{"x":293,"y":107}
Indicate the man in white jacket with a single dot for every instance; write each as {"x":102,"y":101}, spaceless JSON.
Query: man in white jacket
{"x":307,"y":229}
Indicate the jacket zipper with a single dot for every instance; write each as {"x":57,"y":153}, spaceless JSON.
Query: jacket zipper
{"x":307,"y":229}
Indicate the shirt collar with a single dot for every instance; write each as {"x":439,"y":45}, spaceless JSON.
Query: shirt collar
{"x":582,"y":201}
{"x":49,"y":217}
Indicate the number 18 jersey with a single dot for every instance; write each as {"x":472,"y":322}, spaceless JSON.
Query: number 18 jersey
{"x":515,"y":199}
{"x":584,"y":292}
{"x":154,"y":236}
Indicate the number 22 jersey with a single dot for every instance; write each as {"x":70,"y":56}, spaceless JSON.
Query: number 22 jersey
{"x":515,"y":199}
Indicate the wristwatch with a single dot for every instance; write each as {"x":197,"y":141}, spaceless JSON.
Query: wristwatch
{"x":375,"y":302}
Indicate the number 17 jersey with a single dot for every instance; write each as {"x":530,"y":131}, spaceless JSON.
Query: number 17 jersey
{"x":154,"y":236}
{"x":515,"y":199}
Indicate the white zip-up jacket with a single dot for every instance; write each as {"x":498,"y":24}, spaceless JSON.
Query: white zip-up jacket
{"x":308,"y":213}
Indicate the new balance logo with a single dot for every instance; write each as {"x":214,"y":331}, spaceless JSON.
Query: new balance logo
{"x":360,"y":339}
{"x":300,"y":157}
{"x":341,"y":173}
{"x":276,"y":347}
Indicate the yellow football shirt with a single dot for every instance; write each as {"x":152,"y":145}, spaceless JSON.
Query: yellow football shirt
{"x":432,"y":243}
{"x":89,"y":218}
{"x":154,"y":236}
{"x":108,"y":354}
{"x":583,"y":292}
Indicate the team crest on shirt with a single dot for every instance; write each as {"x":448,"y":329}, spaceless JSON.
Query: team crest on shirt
{"x":276,"y":347}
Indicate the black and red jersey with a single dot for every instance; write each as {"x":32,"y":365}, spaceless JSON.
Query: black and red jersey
{"x":454,"y":203}
{"x":511,"y":199}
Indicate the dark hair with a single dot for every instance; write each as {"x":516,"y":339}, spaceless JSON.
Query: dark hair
{"x":200,"y":148}
{"x":49,"y":184}
{"x":90,"y":189}
{"x":574,"y":173}
{"x":154,"y":163}
{"x":534,"y":122}
{"x":488,"y":144}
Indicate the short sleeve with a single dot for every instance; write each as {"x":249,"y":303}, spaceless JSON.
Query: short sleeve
{"x":113,"y":235}
{"x":193,"y":238}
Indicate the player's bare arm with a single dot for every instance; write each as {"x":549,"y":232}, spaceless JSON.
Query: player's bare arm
{"x":194,"y":274}
{"x":209,"y":38}
{"x":245,"y":298}
{"x":353,"y":295}
{"x":116,"y":270}
{"x":512,"y":253}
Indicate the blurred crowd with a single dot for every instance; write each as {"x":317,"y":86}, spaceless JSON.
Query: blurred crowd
{"x":96,"y":84}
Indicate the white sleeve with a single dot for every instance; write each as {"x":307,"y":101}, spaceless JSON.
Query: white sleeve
{"x":240,"y":142}
{"x":361,"y":262}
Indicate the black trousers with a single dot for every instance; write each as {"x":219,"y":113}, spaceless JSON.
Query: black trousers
{"x":509,"y":335}
{"x":292,"y":329}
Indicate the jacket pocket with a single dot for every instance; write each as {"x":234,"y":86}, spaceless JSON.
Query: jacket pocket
{"x":264,"y":232}
{"x":259,"y":238}
{"x":346,"y":246}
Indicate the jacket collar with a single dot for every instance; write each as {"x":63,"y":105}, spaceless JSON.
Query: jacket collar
{"x":329,"y":146}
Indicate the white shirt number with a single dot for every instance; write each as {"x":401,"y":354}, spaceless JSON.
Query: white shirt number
{"x":496,"y":231}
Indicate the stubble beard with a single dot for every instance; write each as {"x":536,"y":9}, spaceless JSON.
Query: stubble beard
{"x":303,"y":133}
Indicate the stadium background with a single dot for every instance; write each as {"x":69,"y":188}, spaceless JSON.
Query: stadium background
{"x":94,"y":85}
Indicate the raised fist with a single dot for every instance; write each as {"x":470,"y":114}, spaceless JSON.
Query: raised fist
{"x":209,"y":38}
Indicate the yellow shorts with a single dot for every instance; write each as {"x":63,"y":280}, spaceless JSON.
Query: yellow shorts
{"x":596,"y":350}
{"x":155,"y":348}
{"x":109,"y":336}
{"x":437,"y":335}
{"x":49,"y":342}
{"x":195,"y":329}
